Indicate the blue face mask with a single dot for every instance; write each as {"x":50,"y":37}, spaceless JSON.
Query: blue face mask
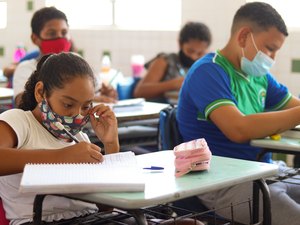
{"x":259,"y":66}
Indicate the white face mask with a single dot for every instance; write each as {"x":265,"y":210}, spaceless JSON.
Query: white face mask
{"x":259,"y":66}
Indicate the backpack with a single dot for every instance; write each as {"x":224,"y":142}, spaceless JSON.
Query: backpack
{"x":168,"y":132}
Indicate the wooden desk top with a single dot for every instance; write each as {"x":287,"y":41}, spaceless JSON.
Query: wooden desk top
{"x":163,"y":187}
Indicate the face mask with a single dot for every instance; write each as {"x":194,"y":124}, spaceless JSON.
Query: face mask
{"x":259,"y":66}
{"x":55,"y":46}
{"x":186,"y":61}
{"x":72,"y":124}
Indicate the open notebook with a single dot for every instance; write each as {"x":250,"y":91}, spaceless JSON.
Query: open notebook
{"x":118,"y":173}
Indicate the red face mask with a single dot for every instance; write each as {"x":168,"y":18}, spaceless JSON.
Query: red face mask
{"x":55,"y":46}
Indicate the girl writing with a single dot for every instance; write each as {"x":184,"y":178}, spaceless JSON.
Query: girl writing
{"x":61,"y":89}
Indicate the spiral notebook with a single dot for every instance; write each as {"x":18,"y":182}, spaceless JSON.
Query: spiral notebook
{"x":118,"y":173}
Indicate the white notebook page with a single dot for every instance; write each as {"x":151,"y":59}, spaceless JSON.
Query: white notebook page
{"x":118,"y":172}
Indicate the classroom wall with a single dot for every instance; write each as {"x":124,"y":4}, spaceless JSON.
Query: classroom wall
{"x":122,"y":44}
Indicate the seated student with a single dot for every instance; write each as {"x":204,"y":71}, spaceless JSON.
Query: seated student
{"x":50,"y":32}
{"x":229,"y":97}
{"x":61,"y":89}
{"x":166,"y":72}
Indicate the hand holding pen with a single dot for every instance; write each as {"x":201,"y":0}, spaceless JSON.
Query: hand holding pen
{"x":62,"y":128}
{"x":93,"y":151}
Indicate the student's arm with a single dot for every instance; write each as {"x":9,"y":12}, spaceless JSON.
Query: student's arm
{"x":9,"y":70}
{"x":293,"y":102}
{"x":105,"y":126}
{"x":107,"y":94}
{"x":13,"y":160}
{"x":240,"y":128}
{"x":151,"y":85}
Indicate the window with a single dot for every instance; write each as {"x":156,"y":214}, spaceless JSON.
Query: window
{"x":3,"y":14}
{"x":288,"y":9}
{"x":85,"y":13}
{"x":121,"y":14}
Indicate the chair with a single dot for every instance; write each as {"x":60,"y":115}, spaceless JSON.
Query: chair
{"x":125,"y":88}
{"x":168,"y":137}
{"x":168,"y":133}
{"x":3,"y":220}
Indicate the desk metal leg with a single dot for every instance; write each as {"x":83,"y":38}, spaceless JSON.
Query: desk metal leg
{"x":139,"y":216}
{"x":38,"y":209}
{"x":267,"y":214}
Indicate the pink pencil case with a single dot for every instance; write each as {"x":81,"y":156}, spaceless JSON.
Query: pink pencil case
{"x":192,"y":156}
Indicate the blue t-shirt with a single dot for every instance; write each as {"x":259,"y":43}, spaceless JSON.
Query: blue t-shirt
{"x":213,"y":82}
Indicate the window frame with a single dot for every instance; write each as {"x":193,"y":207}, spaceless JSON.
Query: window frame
{"x":114,"y":26}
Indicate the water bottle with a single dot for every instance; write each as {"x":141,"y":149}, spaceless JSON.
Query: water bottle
{"x":19,"y":53}
{"x":137,"y":65}
{"x":106,"y":62}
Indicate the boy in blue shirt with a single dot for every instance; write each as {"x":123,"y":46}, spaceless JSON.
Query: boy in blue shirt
{"x":230,"y":97}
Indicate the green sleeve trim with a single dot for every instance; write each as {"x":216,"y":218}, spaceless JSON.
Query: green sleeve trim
{"x":283,"y":102}
{"x":216,"y":104}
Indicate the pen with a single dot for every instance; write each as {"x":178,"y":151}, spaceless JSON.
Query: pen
{"x":61,"y":127}
{"x":153,"y":168}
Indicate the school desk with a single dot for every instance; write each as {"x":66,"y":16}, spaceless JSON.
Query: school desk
{"x":6,"y":93}
{"x":142,"y":115}
{"x":137,"y":125}
{"x":172,"y":97}
{"x":288,"y":144}
{"x":3,"y":79}
{"x":162,"y":187}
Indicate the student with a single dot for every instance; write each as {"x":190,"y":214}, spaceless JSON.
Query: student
{"x":50,"y":32}
{"x":61,"y":89}
{"x":229,"y":97}
{"x":166,"y":71}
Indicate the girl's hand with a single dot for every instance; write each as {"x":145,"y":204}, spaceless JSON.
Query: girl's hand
{"x":104,"y":123}
{"x":108,"y":91}
{"x":82,"y":152}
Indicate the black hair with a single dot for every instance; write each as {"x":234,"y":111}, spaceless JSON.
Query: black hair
{"x":261,"y":15}
{"x":194,"y":30}
{"x":42,"y":16}
{"x":54,"y":71}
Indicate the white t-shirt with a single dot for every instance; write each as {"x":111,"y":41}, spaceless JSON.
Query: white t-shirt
{"x":21,"y":75}
{"x":19,"y":207}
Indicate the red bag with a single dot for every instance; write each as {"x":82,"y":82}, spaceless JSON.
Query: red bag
{"x":192,"y":156}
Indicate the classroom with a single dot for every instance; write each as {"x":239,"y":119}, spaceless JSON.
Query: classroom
{"x":186,"y":109}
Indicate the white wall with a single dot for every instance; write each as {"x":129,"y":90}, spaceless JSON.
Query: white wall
{"x":217,"y":14}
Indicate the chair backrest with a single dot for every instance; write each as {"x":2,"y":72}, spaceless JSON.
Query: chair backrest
{"x":126,"y":88}
{"x":168,"y":133}
{"x":3,"y":220}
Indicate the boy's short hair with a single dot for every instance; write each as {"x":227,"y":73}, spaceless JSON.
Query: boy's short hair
{"x":42,"y":16}
{"x":194,"y":30}
{"x":261,"y":16}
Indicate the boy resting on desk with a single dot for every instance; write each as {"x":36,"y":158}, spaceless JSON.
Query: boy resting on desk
{"x":229,"y":97}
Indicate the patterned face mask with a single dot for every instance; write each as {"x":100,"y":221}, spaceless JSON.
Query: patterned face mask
{"x":72,"y":124}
